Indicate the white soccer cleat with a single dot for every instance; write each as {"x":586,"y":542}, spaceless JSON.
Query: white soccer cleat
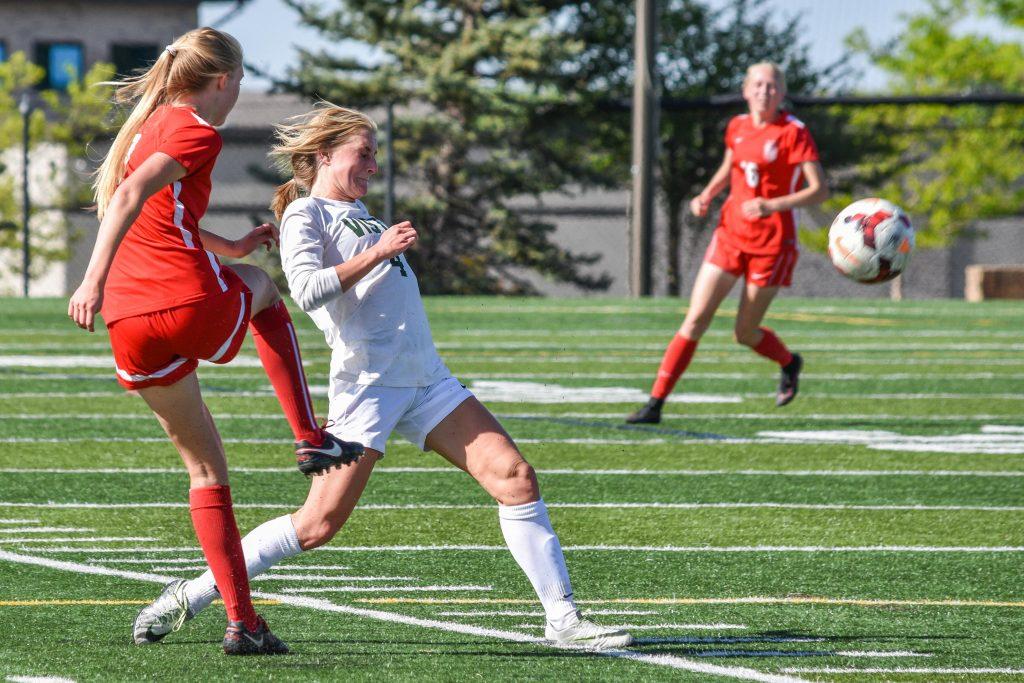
{"x":586,"y":633}
{"x":162,"y":616}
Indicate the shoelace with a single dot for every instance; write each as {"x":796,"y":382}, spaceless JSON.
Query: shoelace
{"x":183,"y":605}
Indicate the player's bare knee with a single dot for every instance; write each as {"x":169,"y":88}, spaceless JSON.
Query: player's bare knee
{"x":746,"y":337}
{"x":522,"y":480}
{"x":313,"y":533}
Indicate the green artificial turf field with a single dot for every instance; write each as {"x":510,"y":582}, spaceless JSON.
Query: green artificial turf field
{"x":873,"y":530}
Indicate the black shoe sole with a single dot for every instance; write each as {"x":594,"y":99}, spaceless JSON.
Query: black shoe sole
{"x":784,"y":400}
{"x":318,"y":463}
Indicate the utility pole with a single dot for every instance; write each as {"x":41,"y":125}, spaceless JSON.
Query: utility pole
{"x":641,"y":215}
{"x":25,"y":108}
{"x":389,"y":168}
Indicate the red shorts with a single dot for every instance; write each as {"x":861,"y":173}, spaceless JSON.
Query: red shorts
{"x":762,"y":270}
{"x":161,"y":347}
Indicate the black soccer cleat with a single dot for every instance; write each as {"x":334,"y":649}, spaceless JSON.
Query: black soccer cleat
{"x":649,"y":414}
{"x":789,"y":381}
{"x":332,"y":452}
{"x":241,"y":641}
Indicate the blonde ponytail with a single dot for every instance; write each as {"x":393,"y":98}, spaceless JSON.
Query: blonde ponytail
{"x":283,"y":196}
{"x":295,"y":152}
{"x":185,"y":66}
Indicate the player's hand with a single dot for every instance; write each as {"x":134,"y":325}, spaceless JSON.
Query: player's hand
{"x":757,"y":207}
{"x":699,"y":206}
{"x":396,"y":239}
{"x":85,"y":303}
{"x":266,"y":235}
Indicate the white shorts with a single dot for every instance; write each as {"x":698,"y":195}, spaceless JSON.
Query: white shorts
{"x":367,"y":413}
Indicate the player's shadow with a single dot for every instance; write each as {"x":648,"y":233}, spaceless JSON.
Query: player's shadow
{"x":753,"y":646}
{"x":682,"y":434}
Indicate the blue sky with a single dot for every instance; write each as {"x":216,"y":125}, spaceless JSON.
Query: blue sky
{"x":268,"y":30}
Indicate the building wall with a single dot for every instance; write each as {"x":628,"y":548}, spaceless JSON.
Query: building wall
{"x":94,"y":24}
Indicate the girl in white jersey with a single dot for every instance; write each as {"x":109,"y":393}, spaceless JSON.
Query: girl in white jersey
{"x":347,"y":270}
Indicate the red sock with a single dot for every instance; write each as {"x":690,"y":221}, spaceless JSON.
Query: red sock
{"x":214,"y":522}
{"x":772,"y":347}
{"x":673,"y":365}
{"x":278,"y":348}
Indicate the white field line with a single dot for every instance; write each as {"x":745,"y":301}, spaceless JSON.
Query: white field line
{"x":558,"y":471}
{"x":915,"y":670}
{"x":39,"y":679}
{"x":326,"y":577}
{"x":79,"y":539}
{"x":712,"y":346}
{"x":696,"y":549}
{"x":309,"y":567}
{"x":45,"y":530}
{"x":735,"y":672}
{"x":880,"y":653}
{"x":520,"y":613}
{"x":984,"y":443}
{"x":670,"y":602}
{"x":577,"y":375}
{"x":662,"y":332}
{"x":168,"y":561}
{"x":658,"y":627}
{"x":386,"y":589}
{"x":155,"y":439}
{"x":634,"y":396}
{"x":19,"y":521}
{"x":737,"y":357}
{"x":815,"y":417}
{"x":732,"y":640}
{"x":385,"y":507}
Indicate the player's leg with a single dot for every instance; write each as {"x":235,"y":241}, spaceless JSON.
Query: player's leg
{"x":473,"y":440}
{"x":180,"y":410}
{"x":748,"y":331}
{"x":712,"y":285}
{"x":359,"y":412}
{"x":277,"y":345}
{"x":330,"y":502}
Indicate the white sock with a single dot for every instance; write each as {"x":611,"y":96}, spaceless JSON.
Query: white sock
{"x":264,"y":546}
{"x":528,"y":534}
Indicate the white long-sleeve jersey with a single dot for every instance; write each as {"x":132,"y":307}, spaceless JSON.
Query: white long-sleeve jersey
{"x":378,"y":329}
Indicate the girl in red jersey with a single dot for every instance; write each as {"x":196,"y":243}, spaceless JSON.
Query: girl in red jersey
{"x":167,"y":301}
{"x":768,"y":155}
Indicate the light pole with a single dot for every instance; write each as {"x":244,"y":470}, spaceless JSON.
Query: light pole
{"x":389,"y":168}
{"x":25,"y":107}
{"x":645,"y":107}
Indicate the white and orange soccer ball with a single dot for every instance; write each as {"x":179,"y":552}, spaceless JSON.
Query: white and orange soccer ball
{"x":871,"y":241}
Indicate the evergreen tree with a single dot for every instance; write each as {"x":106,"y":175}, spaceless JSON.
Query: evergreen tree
{"x":471,"y":79}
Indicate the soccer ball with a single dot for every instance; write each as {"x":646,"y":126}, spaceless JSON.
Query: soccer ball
{"x":871,"y":241}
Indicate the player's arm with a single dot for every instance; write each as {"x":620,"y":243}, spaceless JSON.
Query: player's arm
{"x":156,"y":172}
{"x":814,"y":192}
{"x":719,"y":181}
{"x":265,"y":235}
{"x":392,"y":242}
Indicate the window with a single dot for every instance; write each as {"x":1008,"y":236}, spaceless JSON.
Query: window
{"x":128,"y":57}
{"x":63,"y":62}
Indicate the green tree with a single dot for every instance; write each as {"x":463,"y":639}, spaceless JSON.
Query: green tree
{"x":949,"y":165}
{"x":469,"y":80}
{"x":59,"y":131}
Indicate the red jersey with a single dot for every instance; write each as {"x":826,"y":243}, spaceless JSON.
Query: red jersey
{"x":161,"y":262}
{"x":765,"y":163}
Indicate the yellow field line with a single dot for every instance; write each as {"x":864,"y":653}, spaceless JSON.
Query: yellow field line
{"x":51,"y":603}
{"x":800,"y":600}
